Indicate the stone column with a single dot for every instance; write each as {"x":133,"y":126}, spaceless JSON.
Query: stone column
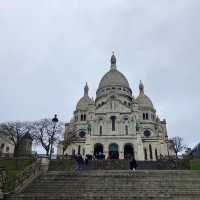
{"x":106,"y":150}
{"x":121,"y":151}
{"x":140,"y":149}
{"x":88,"y":145}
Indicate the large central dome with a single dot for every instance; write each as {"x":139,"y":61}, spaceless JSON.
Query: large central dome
{"x":113,"y":77}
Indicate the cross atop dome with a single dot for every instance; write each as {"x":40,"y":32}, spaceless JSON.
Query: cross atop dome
{"x":113,"y":61}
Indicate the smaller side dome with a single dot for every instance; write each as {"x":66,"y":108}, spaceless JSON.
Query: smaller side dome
{"x":85,"y":101}
{"x":142,"y":99}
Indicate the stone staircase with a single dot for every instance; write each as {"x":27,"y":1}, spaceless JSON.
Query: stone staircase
{"x":114,"y":185}
{"x":124,"y":165}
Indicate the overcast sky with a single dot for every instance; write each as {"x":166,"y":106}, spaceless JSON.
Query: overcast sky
{"x":50,"y":48}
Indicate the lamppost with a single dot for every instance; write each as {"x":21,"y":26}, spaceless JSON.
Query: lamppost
{"x":55,"y":121}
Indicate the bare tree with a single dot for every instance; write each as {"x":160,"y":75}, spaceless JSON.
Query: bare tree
{"x":70,"y":138}
{"x":47,"y":134}
{"x":178,"y":145}
{"x":15,"y":131}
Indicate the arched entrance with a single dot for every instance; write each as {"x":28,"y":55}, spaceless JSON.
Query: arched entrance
{"x":128,"y":151}
{"x":98,"y":148}
{"x":113,"y":151}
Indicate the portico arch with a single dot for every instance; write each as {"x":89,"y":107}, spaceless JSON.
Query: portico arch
{"x":128,"y":151}
{"x":113,"y":151}
{"x":98,"y":148}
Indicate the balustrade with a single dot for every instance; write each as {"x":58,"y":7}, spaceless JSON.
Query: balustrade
{"x":30,"y":173}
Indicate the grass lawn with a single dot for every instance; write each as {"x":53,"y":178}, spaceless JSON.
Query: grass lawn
{"x":14,"y":167}
{"x":195,"y":164}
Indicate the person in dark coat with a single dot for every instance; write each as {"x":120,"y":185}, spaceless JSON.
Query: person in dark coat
{"x":79,"y":161}
{"x":132,"y":164}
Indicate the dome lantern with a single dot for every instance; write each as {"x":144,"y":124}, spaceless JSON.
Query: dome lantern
{"x":141,"y":87}
{"x":86,"y":90}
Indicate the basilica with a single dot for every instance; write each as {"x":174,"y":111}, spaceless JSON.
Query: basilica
{"x":117,"y":124}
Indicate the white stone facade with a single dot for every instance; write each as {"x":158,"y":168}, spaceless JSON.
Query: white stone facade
{"x":6,"y":145}
{"x":116,"y":123}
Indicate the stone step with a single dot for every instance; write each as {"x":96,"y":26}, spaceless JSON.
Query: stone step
{"x":117,"y":191}
{"x":116,"y":186}
{"x":139,"y":173}
{"x":111,"y":197}
{"x":142,"y":165}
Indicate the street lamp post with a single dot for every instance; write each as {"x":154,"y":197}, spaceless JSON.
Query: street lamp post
{"x":55,"y":121}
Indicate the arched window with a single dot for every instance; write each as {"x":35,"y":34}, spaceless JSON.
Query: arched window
{"x":83,"y":151}
{"x":84,"y":117}
{"x":81,"y":117}
{"x":150,"y":152}
{"x":145,"y":116}
{"x":79,"y":149}
{"x":2,"y":146}
{"x":7,"y":149}
{"x":113,"y":118}
{"x":156,"y":154}
{"x":89,"y":129}
{"x":100,"y":130}
{"x":126,"y":129}
{"x":145,"y":153}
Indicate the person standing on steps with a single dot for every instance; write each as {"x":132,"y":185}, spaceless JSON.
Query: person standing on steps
{"x":132,"y":164}
{"x":85,"y":159}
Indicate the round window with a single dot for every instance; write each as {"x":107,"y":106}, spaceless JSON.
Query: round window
{"x":82,"y":134}
{"x":147,"y":133}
